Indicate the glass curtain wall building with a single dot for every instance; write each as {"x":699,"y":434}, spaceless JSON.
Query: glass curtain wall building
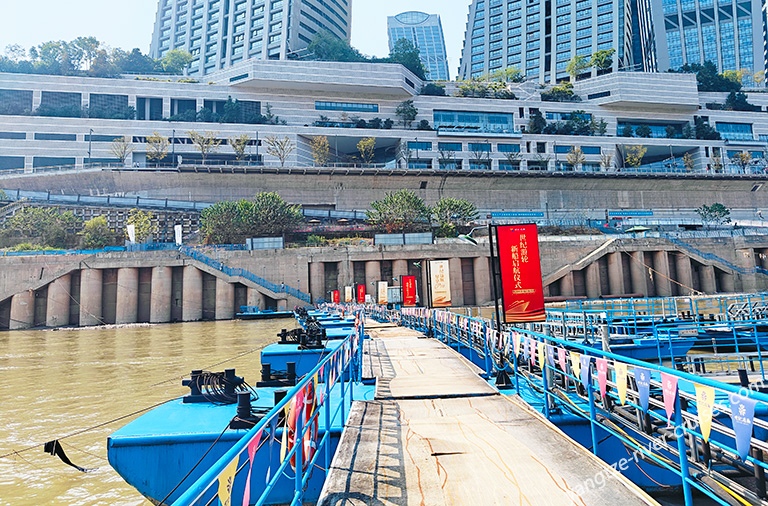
{"x":426,"y":33}
{"x":540,"y":37}
{"x":220,"y":33}
{"x":727,"y":32}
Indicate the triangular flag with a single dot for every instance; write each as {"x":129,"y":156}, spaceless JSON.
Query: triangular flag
{"x":540,"y":347}
{"x":226,"y":482}
{"x":576,"y":363}
{"x":551,"y":355}
{"x":705,"y":403}
{"x":742,"y":416}
{"x":602,"y":375}
{"x":561,"y":359}
{"x":643,"y":380}
{"x":669,"y":390}
{"x":516,"y":343}
{"x":252,"y":447}
{"x":621,"y":380}
{"x":584,"y":363}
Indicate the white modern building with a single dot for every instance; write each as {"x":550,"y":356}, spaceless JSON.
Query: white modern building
{"x":73,"y":121}
{"x":425,"y":31}
{"x":221,"y":33}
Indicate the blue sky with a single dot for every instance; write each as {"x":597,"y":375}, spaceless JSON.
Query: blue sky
{"x":128,"y":24}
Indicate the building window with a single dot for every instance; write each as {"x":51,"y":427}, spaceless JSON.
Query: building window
{"x":735,"y":131}
{"x":346,"y":106}
{"x":449,"y":146}
{"x":418,"y":145}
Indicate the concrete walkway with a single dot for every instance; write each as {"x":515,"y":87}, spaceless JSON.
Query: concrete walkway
{"x":436,"y":433}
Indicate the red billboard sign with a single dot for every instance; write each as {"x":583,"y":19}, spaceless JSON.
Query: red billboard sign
{"x":522,"y":291}
{"x":336,"y":296}
{"x":409,"y":290}
{"x":361,"y":294}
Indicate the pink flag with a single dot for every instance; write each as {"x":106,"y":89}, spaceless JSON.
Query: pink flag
{"x":669,"y":389}
{"x":602,"y":375}
{"x":532,"y":350}
{"x":252,"y":447}
{"x":561,"y":358}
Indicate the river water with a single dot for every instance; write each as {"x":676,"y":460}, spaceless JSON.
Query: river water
{"x":55,"y":383}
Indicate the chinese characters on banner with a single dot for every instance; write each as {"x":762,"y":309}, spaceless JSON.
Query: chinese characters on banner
{"x":348,"y":295}
{"x":361,"y":293}
{"x":441,"y":283}
{"x":382,"y":293}
{"x":335,"y":297}
{"x":409,"y":290}
{"x":522,"y":291}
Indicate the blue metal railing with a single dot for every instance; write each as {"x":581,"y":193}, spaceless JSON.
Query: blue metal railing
{"x":243,"y":273}
{"x":714,"y":258}
{"x":549,"y":365}
{"x":335,"y":369}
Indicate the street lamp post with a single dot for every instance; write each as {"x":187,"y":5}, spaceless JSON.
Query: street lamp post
{"x":173,"y":146}
{"x":90,"y":140}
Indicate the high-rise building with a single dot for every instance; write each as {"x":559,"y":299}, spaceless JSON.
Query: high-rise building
{"x":727,"y":32}
{"x":540,"y":37}
{"x":220,"y":33}
{"x":425,"y":32}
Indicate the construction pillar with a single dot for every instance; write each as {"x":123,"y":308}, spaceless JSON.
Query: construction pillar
{"x":616,"y":273}
{"x":255,"y":298}
{"x":708,"y":283}
{"x":127,"y":307}
{"x":192,"y":303}
{"x":661,"y":276}
{"x":566,"y":285}
{"x":225,"y":299}
{"x":57,"y":308}
{"x":684,"y":272}
{"x":90,"y":297}
{"x":593,"y":280}
{"x":457,"y":284}
{"x":160,"y":297}
{"x":639,"y":273}
{"x":372,"y":275}
{"x":317,"y":281}
{"x":483,"y":286}
{"x":22,"y":310}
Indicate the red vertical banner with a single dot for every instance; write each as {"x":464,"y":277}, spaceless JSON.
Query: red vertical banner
{"x":336,"y":296}
{"x":522,"y":291}
{"x":409,"y":290}
{"x":361,"y":294}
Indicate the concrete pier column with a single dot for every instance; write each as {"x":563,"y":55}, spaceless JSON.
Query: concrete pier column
{"x":661,"y":276}
{"x":192,"y":303}
{"x":372,"y":275}
{"x":399,"y":268}
{"x":127,"y":307}
{"x":616,"y":273}
{"x":566,"y":285}
{"x":22,"y":310}
{"x":346,"y":275}
{"x":90,"y":297}
{"x":707,"y":281}
{"x":57,"y":308}
{"x":160,"y":297}
{"x":592,"y":280}
{"x":317,"y":281}
{"x":255,"y":298}
{"x":483,"y":286}
{"x":638,"y":273}
{"x":684,"y":272}
{"x":225,"y":300}
{"x":457,"y":285}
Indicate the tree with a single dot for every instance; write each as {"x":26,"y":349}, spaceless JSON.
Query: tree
{"x":434,"y":89}
{"x":575,"y":157}
{"x":634,"y":155}
{"x":688,"y":162}
{"x":717,"y":162}
{"x":743,"y":159}
{"x":367,"y":149}
{"x":602,"y":60}
{"x":407,"y":113}
{"x":708,"y":79}
{"x":96,"y":233}
{"x":670,"y":132}
{"x":606,"y":161}
{"x":737,"y":101}
{"x":239,"y":145}
{"x":121,"y":148}
{"x":222,"y":223}
{"x":536,"y":123}
{"x":157,"y":147}
{"x":598,"y":127}
{"x":321,"y":150}
{"x":627,"y":131}
{"x":403,"y":154}
{"x":328,"y":47}
{"x":271,"y":216}
{"x":704,"y":131}
{"x":643,"y":131}
{"x":206,"y":143}
{"x":175,"y":61}
{"x":142,"y":224}
{"x":45,"y":226}
{"x":400,"y":211}
{"x":562,"y":92}
{"x":450,"y":214}
{"x":408,"y":55}
{"x":577,"y":65}
{"x":687,"y":131}
{"x":280,"y":148}
{"x":716,"y":214}
{"x":507,"y":75}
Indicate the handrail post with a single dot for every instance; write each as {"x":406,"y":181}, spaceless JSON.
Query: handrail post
{"x":682,"y":450}
{"x":592,"y":410}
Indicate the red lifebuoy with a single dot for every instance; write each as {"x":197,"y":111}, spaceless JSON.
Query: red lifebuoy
{"x":309,"y":441}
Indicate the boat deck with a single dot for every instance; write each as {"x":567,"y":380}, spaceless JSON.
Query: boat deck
{"x":437,"y":433}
